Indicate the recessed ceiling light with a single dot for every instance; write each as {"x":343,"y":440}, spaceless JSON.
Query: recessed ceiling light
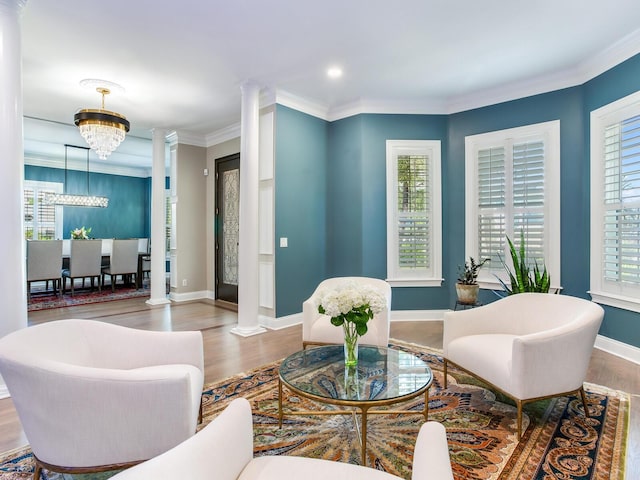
{"x":334,"y":72}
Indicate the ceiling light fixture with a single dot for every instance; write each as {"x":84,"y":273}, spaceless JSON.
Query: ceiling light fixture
{"x":334,"y":72}
{"x":75,"y":200}
{"x":103,"y":130}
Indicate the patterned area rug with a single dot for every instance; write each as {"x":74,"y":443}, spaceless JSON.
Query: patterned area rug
{"x":41,"y":301}
{"x":559,"y":443}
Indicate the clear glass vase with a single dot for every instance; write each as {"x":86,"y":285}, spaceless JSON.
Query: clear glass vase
{"x":350,"y":345}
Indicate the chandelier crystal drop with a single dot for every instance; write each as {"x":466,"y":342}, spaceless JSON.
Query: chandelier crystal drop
{"x":103,"y":130}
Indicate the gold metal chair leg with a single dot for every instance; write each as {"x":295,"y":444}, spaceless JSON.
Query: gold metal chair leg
{"x":445,"y":373}
{"x":36,"y":471}
{"x":519,"y":404}
{"x":584,"y":402}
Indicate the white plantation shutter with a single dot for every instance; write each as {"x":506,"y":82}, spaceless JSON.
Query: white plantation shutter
{"x":413,"y":213}
{"x":529,"y":198}
{"x":42,"y":221}
{"x":491,"y":204}
{"x":621,"y":195}
{"x":508,"y":190}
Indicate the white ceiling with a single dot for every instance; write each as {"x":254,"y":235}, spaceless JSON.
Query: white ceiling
{"x":182,"y":63}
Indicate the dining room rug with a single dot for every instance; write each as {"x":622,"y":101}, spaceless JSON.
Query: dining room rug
{"x":40,"y":301}
{"x":558,"y":441}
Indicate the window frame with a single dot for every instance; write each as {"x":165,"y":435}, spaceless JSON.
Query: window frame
{"x":37,"y":186}
{"x":427,"y":277}
{"x":626,"y":297}
{"x":549,"y":133}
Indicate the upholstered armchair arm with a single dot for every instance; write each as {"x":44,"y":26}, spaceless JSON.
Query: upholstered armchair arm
{"x":497,"y":317}
{"x":309,"y":315}
{"x":431,"y":454}
{"x":220,"y":450}
{"x":552,"y":361}
{"x":104,"y":416}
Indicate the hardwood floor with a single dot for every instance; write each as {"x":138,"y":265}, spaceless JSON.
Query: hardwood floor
{"x":227,"y":354}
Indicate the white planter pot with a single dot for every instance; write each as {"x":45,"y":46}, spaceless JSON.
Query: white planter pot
{"x":467,"y":294}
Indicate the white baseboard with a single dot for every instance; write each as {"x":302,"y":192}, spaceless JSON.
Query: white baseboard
{"x":620,"y":349}
{"x":189,"y":296}
{"x":281,"y":322}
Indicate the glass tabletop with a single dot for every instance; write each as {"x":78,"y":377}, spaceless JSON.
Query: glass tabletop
{"x":382,"y":374}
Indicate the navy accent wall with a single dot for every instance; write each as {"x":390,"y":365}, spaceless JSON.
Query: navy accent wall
{"x":127,"y":215}
{"x":300,"y":206}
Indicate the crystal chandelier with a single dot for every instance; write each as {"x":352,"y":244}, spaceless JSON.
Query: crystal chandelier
{"x":103,"y":130}
{"x":75,"y":200}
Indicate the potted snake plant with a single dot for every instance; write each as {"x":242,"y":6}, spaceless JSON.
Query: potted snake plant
{"x":467,"y":286}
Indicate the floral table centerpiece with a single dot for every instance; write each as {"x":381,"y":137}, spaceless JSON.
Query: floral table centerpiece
{"x":351,"y":306}
{"x":80,"y":233}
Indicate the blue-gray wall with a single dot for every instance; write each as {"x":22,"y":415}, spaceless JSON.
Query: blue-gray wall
{"x":300,"y":206}
{"x":352,"y":198}
{"x":127,"y":215}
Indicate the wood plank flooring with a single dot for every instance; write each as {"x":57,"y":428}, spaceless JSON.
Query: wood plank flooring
{"x":227,"y":354}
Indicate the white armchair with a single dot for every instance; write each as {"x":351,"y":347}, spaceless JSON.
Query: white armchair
{"x":223,"y":450}
{"x":528,"y":346}
{"x":93,"y":396}
{"x":318,"y":330}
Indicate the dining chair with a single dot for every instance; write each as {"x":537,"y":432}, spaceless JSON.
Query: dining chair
{"x":85,"y":261}
{"x":44,"y":261}
{"x":123,"y":261}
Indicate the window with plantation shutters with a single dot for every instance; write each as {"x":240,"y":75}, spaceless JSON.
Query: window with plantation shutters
{"x":42,"y":221}
{"x":512,"y":186}
{"x":413,"y":213}
{"x":615,"y":204}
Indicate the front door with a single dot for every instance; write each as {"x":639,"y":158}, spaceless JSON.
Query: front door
{"x":227,"y":227}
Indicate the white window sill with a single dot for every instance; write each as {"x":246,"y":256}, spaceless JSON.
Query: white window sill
{"x":415,"y":282}
{"x":618,"y":301}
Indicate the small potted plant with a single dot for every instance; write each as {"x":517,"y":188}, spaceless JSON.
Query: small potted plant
{"x":467,"y":286}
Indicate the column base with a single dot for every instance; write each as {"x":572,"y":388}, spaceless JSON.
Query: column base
{"x":158,"y":301}
{"x":248,"y":332}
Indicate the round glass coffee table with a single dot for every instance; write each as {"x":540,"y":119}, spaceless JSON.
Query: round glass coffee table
{"x":383,"y":377}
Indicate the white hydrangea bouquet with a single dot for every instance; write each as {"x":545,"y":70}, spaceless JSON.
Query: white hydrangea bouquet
{"x":351,"y":306}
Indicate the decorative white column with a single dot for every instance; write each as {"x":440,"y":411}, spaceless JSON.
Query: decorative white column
{"x":248,"y":261}
{"x":158,"y":221}
{"x":13,"y":293}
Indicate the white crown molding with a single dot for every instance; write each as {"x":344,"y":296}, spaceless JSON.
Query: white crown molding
{"x":223,"y":135}
{"x":186,"y":138}
{"x":622,"y":50}
{"x":301,"y":104}
{"x":392,"y":107}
